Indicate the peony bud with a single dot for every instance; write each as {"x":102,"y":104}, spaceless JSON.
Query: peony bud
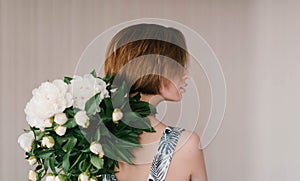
{"x":48,"y":141}
{"x":32,"y":176}
{"x":60,"y":118}
{"x":32,"y":160}
{"x":82,"y":119}
{"x":60,"y":130}
{"x":83,"y":177}
{"x":50,"y":177}
{"x":26,"y":140}
{"x":93,"y":179}
{"x":60,"y":177}
{"x":113,"y":90}
{"x":96,"y":148}
{"x":117,"y":115}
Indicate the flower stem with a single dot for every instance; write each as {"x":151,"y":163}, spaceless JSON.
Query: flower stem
{"x":76,"y":161}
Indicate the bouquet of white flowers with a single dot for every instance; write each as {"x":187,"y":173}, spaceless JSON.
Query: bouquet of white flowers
{"x":81,"y":127}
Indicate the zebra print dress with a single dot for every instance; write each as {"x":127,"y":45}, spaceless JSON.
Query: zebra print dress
{"x":163,"y":156}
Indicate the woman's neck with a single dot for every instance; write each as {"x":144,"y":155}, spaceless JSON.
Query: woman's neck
{"x":153,"y":100}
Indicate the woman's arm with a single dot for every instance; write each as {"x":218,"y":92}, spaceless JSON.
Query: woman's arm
{"x":196,"y":158}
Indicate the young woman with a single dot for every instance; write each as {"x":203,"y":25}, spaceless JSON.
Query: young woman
{"x":153,"y":60}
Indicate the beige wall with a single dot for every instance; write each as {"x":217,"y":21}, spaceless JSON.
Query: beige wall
{"x":257,"y":43}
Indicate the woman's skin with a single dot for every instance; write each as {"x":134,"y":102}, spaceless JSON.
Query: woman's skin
{"x":187,"y":162}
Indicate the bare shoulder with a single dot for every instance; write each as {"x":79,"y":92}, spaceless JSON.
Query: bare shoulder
{"x":189,"y":141}
{"x":189,"y":150}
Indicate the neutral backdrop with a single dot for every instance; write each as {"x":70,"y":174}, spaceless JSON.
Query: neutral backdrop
{"x":256,"y":41}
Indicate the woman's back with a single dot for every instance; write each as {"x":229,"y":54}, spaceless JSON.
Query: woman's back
{"x":182,"y":166}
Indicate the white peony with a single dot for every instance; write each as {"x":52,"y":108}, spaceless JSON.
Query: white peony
{"x":48,"y":141}
{"x":117,"y":115}
{"x":32,"y":176}
{"x":47,"y":123}
{"x":83,"y":177}
{"x":32,"y":160}
{"x":25,"y":140}
{"x":50,"y":177}
{"x":82,"y":119}
{"x":48,"y":99}
{"x":93,"y":179}
{"x":60,"y":118}
{"x":96,"y":148}
{"x":60,"y":178}
{"x":83,"y":88}
{"x":60,"y":130}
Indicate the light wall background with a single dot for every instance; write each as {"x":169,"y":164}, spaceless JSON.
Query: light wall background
{"x":256,"y":41}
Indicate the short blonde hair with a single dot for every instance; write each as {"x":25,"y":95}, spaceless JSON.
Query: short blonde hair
{"x":145,"y":56}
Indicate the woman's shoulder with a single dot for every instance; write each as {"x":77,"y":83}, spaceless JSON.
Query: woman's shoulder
{"x":189,"y":142}
{"x":188,"y":157}
{"x":192,"y":154}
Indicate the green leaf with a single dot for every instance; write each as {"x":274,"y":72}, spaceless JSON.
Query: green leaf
{"x":44,"y":154}
{"x":121,"y":126}
{"x":97,"y":162}
{"x":118,"y":96}
{"x":109,"y":151}
{"x":70,"y":123}
{"x":94,"y":73}
{"x":132,"y":116}
{"x":107,"y":78}
{"x":152,"y":109}
{"x":125,"y":155}
{"x":70,"y":144}
{"x":108,"y":104}
{"x":143,"y":108}
{"x":61,"y":140}
{"x":40,"y":135}
{"x":49,"y":129}
{"x":71,"y":111}
{"x":46,"y":163}
{"x":136,"y":97}
{"x":134,"y":120}
{"x":81,"y":166}
{"x":85,"y":150}
{"x":67,"y":80}
{"x":97,"y":135}
{"x":92,"y":105}
{"x":128,"y":145}
{"x":84,"y":165}
{"x":66,"y":162}
{"x":132,"y":140}
{"x":124,"y":133}
{"x":52,"y":164}
{"x":77,"y":160}
{"x":39,"y":167}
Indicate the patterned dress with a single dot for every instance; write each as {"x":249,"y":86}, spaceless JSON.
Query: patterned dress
{"x":163,"y":156}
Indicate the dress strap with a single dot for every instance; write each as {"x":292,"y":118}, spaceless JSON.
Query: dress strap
{"x":109,"y":177}
{"x":164,"y":153}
